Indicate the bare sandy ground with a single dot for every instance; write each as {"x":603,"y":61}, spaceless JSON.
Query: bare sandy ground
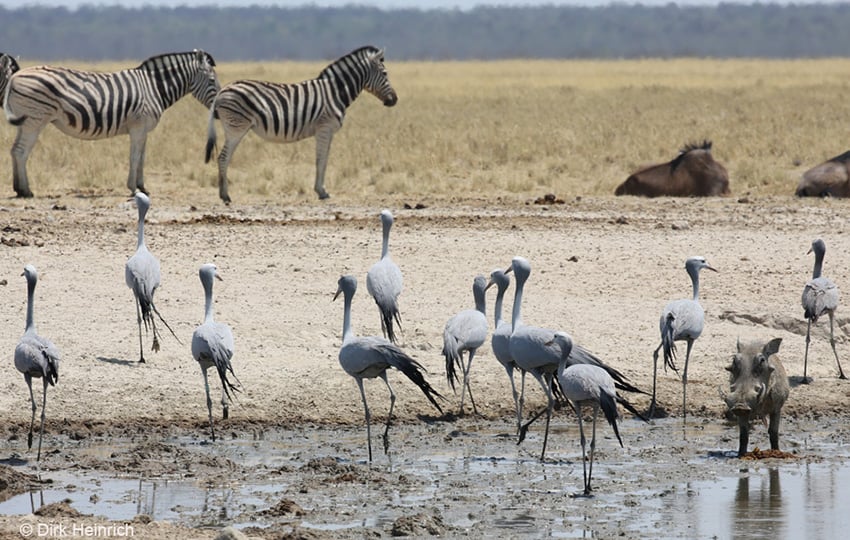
{"x":602,"y":269}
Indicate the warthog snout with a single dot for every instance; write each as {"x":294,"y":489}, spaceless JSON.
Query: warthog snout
{"x":741,"y":409}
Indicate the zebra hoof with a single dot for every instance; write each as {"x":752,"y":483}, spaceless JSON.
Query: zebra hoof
{"x":323,"y":196}
{"x":24,"y":194}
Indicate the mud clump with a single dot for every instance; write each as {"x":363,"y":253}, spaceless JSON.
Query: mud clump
{"x":285,"y":507}
{"x":419,"y":525}
{"x":58,"y":509}
{"x":158,"y":459}
{"x":757,"y":453}
{"x":14,"y":483}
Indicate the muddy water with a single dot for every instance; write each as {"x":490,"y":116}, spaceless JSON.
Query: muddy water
{"x":668,"y":480}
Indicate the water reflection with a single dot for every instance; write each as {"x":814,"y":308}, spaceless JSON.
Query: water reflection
{"x":757,"y":510}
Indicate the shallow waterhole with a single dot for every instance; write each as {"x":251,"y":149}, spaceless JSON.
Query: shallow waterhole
{"x":683,"y":481}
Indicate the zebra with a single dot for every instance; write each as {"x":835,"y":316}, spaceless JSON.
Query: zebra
{"x":8,"y":67}
{"x":291,"y":112}
{"x":92,"y":105}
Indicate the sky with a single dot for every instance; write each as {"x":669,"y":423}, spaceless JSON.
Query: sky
{"x":385,"y":4}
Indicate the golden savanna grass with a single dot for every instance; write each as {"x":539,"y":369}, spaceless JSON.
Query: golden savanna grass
{"x":511,"y":128}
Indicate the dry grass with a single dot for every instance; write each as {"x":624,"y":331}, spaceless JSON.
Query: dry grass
{"x":512,"y":129}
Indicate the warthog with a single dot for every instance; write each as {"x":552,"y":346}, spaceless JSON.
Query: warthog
{"x":759,"y":388}
{"x":830,"y":178}
{"x":693,"y":173}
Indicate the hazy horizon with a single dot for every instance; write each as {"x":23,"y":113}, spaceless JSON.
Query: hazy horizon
{"x":383,"y":4}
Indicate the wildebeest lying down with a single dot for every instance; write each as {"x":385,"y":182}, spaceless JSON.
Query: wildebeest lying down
{"x":830,"y":178}
{"x":693,"y":173}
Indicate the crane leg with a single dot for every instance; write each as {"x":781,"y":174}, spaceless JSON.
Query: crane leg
{"x":209,"y":402}
{"x":368,"y":418}
{"x":685,"y":381}
{"x":654,"y":377}
{"x":41,"y":431}
{"x":832,"y":342}
{"x":806,"y":380}
{"x":389,"y":415}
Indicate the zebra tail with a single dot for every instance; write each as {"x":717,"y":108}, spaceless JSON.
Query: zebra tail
{"x":609,"y":407}
{"x":668,"y":344}
{"x":211,"y":135}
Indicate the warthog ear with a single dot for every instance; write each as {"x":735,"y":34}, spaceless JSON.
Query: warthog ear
{"x":772,"y":347}
{"x":738,"y":344}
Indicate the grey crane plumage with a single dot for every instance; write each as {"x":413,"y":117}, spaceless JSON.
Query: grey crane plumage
{"x":384,"y":282}
{"x":142,"y":275}
{"x":371,"y":356}
{"x":592,"y":385}
{"x":820,"y":297}
{"x":36,"y":357}
{"x":212,"y":346}
{"x":535,"y":350}
{"x":501,"y":338}
{"x":465,"y":332}
{"x":681,"y":320}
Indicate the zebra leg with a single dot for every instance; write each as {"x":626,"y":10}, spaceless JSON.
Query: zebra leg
{"x":24,"y":143}
{"x":231,"y":141}
{"x":136,"y":180}
{"x":323,"y":147}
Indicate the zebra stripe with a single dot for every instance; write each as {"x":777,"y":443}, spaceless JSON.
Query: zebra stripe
{"x":292,"y":112}
{"x":93,"y":105}
{"x":8,"y":67}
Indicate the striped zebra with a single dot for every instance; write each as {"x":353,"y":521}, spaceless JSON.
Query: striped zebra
{"x":8,"y":67}
{"x":291,"y":112}
{"x":91,"y":105}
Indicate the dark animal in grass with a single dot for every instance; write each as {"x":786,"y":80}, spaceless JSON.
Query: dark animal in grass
{"x":829,"y":179}
{"x":693,"y":173}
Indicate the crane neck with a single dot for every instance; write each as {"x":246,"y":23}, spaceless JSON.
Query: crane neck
{"x":480,"y":300}
{"x":695,"y":281}
{"x":500,"y":297}
{"x":818,"y":269}
{"x":208,"y":301}
{"x":140,"y":239}
{"x":30,"y":308}
{"x":385,"y":246}
{"x":347,"y":332}
{"x":516,"y":314}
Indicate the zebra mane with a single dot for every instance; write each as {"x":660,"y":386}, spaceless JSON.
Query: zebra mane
{"x":164,"y":58}
{"x":362,"y":51}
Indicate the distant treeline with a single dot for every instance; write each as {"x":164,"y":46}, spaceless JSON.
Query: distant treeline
{"x":312,"y":33}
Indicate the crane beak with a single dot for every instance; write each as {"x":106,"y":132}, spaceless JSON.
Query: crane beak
{"x":489,"y":284}
{"x":713,"y":269}
{"x":338,"y":292}
{"x":218,"y":277}
{"x":810,"y":250}
{"x":509,"y":269}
